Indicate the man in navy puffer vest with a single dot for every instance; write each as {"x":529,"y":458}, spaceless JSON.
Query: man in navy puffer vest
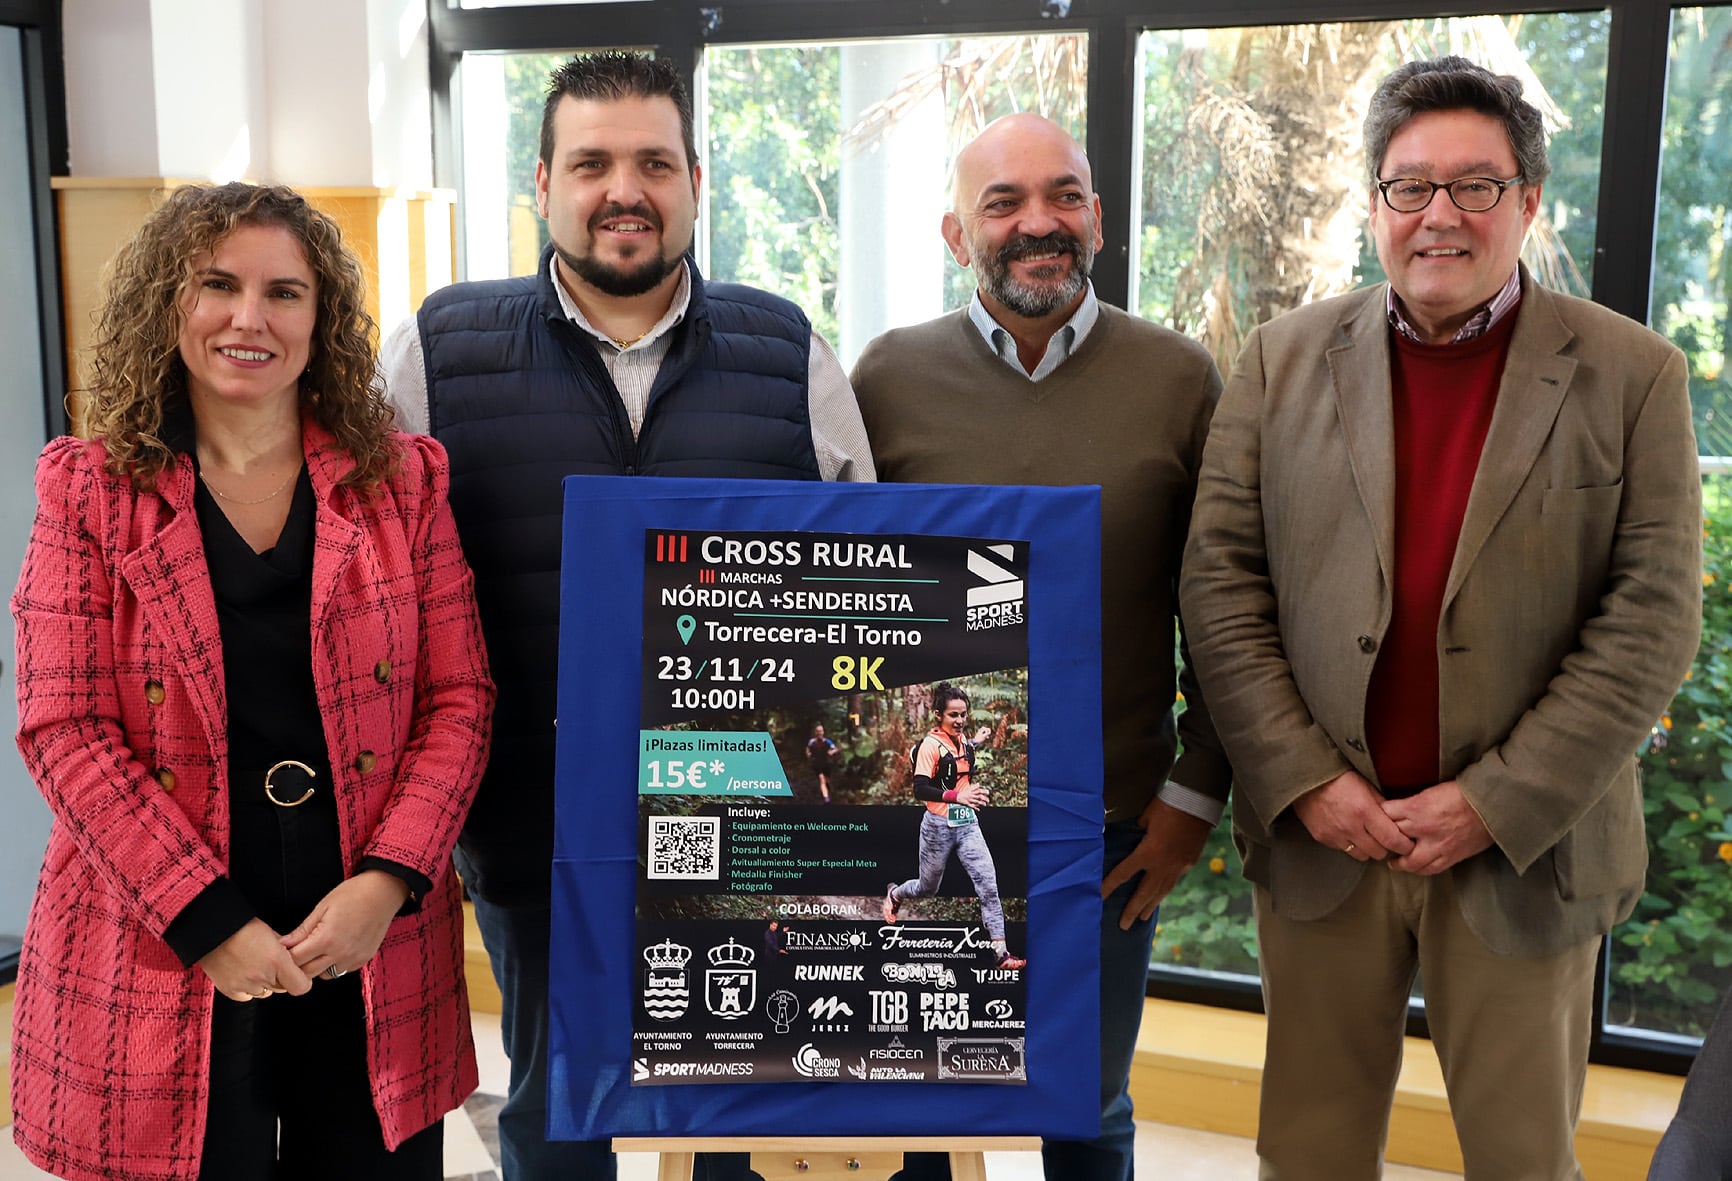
{"x":614,"y":358}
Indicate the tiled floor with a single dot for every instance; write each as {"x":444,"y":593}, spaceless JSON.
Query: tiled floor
{"x":1172,"y":1154}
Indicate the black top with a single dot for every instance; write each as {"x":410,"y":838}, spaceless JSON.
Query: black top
{"x":281,"y":860}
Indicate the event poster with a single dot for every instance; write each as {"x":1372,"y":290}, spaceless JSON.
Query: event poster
{"x":833,"y":808}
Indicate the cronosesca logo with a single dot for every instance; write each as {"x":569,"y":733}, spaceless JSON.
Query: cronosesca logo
{"x":997,"y":602}
{"x":814,"y":1065}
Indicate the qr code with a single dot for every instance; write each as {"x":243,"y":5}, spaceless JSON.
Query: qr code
{"x":685,"y":847}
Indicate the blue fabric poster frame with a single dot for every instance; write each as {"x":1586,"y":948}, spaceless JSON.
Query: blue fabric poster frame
{"x":592,"y":965}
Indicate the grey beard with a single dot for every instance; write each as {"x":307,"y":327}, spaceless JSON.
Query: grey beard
{"x":1033,"y":300}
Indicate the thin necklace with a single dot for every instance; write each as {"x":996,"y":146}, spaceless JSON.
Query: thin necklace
{"x":271,"y":495}
{"x":626,"y":344}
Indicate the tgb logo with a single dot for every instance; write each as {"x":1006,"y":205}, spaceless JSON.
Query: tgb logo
{"x":998,"y":600}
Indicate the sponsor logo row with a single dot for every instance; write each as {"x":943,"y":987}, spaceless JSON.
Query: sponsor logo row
{"x":917,"y":940}
{"x":985,"y":1059}
{"x":892,"y":1011}
{"x":731,"y":983}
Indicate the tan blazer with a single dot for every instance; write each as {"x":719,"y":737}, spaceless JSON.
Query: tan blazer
{"x":1570,"y":616}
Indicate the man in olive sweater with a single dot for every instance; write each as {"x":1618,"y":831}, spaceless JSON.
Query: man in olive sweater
{"x":1037,"y":382}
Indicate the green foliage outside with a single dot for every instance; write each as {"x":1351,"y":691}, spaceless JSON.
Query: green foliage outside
{"x":1672,"y":961}
{"x":773,"y":173}
{"x":777,"y":144}
{"x":1692,"y":296}
{"x":1254,"y":192}
{"x":1206,"y":922}
{"x":526,"y":77}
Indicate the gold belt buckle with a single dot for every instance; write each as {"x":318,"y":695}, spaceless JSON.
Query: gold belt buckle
{"x":271,"y":795}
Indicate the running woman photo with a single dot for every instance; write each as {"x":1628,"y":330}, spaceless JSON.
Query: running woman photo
{"x":943,"y":781}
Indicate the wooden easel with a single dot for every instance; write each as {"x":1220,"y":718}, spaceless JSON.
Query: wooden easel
{"x":828,"y":1158}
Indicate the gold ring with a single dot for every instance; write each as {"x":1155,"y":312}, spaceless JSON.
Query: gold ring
{"x":271,"y":795}
{"x":1349,"y":848}
{"x":261,"y":995}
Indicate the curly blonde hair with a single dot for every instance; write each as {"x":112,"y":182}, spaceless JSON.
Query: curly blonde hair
{"x":136,"y":369}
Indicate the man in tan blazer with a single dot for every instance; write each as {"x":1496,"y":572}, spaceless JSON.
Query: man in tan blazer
{"x":1442,"y":577}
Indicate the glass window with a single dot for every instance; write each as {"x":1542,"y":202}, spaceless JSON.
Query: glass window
{"x":1692,"y":276}
{"x":1253,"y":201}
{"x":1254,"y":190}
{"x":502,"y":96}
{"x":826,"y":165}
{"x":1672,"y":961}
{"x":23,"y":399}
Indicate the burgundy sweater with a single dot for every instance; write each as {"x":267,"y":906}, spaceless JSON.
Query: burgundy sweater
{"x":1443,"y":397}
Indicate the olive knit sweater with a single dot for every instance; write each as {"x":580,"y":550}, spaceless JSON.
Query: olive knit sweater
{"x":1128,"y":411}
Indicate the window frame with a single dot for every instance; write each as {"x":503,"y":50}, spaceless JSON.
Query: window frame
{"x":39,"y":25}
{"x":1636,"y":68}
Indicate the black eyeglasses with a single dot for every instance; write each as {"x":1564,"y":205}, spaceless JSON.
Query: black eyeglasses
{"x":1471,"y":194}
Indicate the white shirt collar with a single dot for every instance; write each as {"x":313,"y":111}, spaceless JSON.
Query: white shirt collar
{"x":1060,"y":348}
{"x":675,"y":313}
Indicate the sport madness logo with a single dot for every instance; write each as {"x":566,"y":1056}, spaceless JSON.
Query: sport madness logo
{"x":998,"y":600}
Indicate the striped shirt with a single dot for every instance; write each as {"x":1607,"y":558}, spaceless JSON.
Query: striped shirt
{"x":1477,"y":325}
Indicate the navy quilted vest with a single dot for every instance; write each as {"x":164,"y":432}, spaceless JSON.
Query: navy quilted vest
{"x":520,"y":399}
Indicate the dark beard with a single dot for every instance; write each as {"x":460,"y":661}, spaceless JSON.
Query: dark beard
{"x":611,"y":280}
{"x":1027,"y":299}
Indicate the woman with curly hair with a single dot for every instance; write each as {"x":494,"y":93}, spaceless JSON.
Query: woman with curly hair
{"x":253,"y":691}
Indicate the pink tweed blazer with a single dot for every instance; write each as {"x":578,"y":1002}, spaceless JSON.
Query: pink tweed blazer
{"x":123,"y":724}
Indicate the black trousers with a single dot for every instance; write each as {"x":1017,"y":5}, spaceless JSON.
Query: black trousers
{"x":302,"y":1061}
